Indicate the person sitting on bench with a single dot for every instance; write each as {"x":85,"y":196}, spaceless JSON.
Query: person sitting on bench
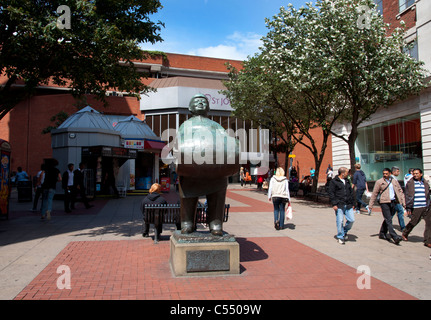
{"x":154,"y":197}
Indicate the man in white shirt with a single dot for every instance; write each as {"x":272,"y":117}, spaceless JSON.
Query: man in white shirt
{"x":67,"y":183}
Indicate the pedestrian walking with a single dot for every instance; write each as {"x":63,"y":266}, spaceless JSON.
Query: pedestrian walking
{"x":67,"y":184}
{"x":342,"y":199}
{"x":79,"y":187}
{"x":278,"y":193}
{"x":52,"y":176}
{"x":390,"y":193}
{"x":408,"y":176}
{"x":154,"y":197}
{"x":418,"y":205}
{"x":399,"y":210}
{"x":40,"y":176}
{"x":242,"y":176}
{"x":360,"y":182}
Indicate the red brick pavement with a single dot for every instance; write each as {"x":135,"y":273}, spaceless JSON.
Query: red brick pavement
{"x":271,"y":269}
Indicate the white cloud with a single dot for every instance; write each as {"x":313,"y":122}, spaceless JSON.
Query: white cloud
{"x":237,"y":46}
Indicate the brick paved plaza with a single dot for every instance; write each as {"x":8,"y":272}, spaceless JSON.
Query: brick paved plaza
{"x":109,"y":259}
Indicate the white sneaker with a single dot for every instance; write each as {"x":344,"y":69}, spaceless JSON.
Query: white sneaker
{"x":358,"y":212}
{"x":369,"y":210}
{"x":341,"y":241}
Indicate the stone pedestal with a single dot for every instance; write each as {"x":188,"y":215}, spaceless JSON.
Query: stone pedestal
{"x":202,"y":254}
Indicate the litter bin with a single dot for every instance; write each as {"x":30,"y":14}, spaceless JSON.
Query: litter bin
{"x":25,"y":192}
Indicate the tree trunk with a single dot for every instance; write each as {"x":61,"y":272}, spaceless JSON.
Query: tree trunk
{"x":352,"y":139}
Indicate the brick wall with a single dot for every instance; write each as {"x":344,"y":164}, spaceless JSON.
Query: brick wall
{"x":391,"y":12}
{"x":304,"y":159}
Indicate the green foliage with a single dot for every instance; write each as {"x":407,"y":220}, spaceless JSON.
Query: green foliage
{"x":59,"y":118}
{"x":95,"y":55}
{"x":323,"y":64}
{"x":338,"y":47}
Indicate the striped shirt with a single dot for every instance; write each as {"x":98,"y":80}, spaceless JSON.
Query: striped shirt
{"x":420,"y":200}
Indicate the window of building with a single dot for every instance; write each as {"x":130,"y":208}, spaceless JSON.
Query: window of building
{"x":379,"y":7}
{"x":396,"y":142}
{"x":404,"y":4}
{"x":412,"y":49}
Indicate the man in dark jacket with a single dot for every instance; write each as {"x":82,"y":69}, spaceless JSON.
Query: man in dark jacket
{"x":342,"y":199}
{"x":360,"y":181}
{"x":418,"y":205}
{"x":154,"y":197}
{"x":79,"y":187}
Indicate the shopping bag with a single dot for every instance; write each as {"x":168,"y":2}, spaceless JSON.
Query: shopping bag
{"x":289,"y":213}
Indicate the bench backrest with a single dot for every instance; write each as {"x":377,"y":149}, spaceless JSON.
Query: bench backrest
{"x":170,"y":213}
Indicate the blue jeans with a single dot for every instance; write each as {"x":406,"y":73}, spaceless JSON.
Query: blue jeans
{"x":400,"y":213}
{"x":350,"y":218}
{"x":47,"y":197}
{"x":359,"y":193}
{"x":279,"y":210}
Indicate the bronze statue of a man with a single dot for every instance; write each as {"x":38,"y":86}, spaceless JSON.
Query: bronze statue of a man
{"x":206,"y":157}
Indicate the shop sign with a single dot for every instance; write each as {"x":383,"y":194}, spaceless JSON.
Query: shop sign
{"x":134,"y":144}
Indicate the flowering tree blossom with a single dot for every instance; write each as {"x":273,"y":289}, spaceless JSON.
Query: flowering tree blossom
{"x":342,"y":47}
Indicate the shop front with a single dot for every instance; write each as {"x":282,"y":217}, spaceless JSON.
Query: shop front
{"x":140,"y":173}
{"x":105,"y":163}
{"x":112,"y":158}
{"x":395,"y":142}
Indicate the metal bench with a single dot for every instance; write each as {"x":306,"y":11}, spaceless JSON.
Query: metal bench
{"x":321,"y":192}
{"x":160,"y":214}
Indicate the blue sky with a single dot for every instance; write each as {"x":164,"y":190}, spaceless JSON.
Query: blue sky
{"x":216,"y":28}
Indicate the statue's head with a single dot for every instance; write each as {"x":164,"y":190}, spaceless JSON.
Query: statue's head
{"x":199,"y":105}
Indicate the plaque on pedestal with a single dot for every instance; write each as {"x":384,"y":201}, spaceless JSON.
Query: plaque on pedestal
{"x":202,"y":254}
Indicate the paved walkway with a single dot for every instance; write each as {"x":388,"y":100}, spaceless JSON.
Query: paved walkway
{"x":108,"y":258}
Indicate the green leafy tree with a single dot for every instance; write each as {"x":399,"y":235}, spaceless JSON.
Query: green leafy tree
{"x":343,"y":47}
{"x":251,"y":96}
{"x":285,"y":81}
{"x":88,"y":46}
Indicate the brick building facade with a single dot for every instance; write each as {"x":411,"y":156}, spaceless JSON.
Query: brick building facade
{"x":23,"y":126}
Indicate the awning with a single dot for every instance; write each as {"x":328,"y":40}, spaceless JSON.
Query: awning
{"x":155,"y":145}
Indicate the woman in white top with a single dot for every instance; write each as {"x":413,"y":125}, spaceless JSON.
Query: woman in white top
{"x":278,"y":192}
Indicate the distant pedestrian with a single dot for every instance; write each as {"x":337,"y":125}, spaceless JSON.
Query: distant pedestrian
{"x":40,"y":176}
{"x":342,"y":199}
{"x":242,"y":176}
{"x":67,"y":184}
{"x":278,"y":193}
{"x":399,"y":210}
{"x":390,"y":194}
{"x":312,"y":173}
{"x":154,"y":197}
{"x":21,"y":175}
{"x":52,"y":176}
{"x":418,"y":205}
{"x":408,"y":176}
{"x":360,"y":182}
{"x":79,"y":187}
